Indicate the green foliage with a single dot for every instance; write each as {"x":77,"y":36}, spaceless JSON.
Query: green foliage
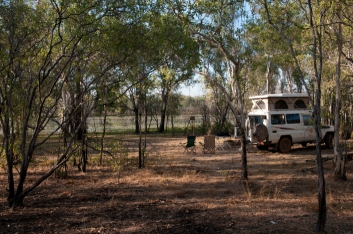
{"x":176,"y":131}
{"x":225,"y":127}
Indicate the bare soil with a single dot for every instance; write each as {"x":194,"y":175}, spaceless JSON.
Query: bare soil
{"x":184,"y":193}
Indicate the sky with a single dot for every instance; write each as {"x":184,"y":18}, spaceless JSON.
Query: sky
{"x":194,"y":91}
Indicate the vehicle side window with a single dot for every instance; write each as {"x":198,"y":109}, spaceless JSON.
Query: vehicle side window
{"x":278,"y":119}
{"x":292,"y":118}
{"x":308,"y":120}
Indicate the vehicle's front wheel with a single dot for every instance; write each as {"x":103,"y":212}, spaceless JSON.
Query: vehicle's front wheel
{"x":329,"y":141}
{"x":284,"y":146}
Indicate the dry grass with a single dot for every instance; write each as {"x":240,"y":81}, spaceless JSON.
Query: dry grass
{"x":180,"y":193}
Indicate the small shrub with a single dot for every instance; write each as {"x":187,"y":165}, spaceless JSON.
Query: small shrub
{"x":119,"y":158}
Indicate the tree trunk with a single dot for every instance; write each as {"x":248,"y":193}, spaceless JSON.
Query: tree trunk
{"x":9,"y":157}
{"x":8,"y":147}
{"x":322,"y":216}
{"x":84,"y":150}
{"x":140,"y":162}
{"x":80,"y":124}
{"x":321,"y":221}
{"x":103,"y":136}
{"x":339,"y":157}
{"x":10,"y":178}
{"x":172,"y":123}
{"x":137,"y":125}
{"x":146,"y":120}
{"x":18,"y":199}
{"x":244,"y":165}
{"x":268,"y":83}
{"x":163,"y":111}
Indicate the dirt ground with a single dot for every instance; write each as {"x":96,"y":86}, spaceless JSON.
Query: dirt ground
{"x":185,"y":193}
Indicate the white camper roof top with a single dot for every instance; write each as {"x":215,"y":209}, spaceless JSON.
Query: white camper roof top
{"x":279,"y":95}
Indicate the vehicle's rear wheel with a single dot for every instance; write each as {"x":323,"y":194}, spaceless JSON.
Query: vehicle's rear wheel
{"x":284,"y":145}
{"x":329,"y":141}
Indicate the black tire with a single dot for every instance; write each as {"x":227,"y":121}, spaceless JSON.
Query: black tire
{"x":261,"y":132}
{"x":284,"y":145}
{"x":329,"y":141}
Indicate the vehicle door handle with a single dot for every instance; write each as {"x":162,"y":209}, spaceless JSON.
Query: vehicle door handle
{"x":274,"y":131}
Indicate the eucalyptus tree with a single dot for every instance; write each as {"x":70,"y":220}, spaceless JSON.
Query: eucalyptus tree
{"x":339,"y":28}
{"x":310,"y":18}
{"x":270,"y":61}
{"x":217,"y":26}
{"x":179,"y":56}
{"x":152,"y":109}
{"x":144,"y":43}
{"x":219,"y":109}
{"x":137,"y":70}
{"x":138,"y":88}
{"x":220,"y":106}
{"x":174,"y":105}
{"x":109,"y":88}
{"x":112,"y":61}
{"x":166,"y":56}
{"x":36,"y":57}
{"x":335,"y":26}
{"x":134,"y":47}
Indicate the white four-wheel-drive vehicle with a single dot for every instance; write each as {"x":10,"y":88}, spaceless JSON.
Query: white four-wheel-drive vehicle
{"x":281,"y":120}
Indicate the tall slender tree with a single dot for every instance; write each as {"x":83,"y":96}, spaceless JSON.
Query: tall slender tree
{"x":35,"y":58}
{"x":216,"y":25}
{"x":313,"y":17}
